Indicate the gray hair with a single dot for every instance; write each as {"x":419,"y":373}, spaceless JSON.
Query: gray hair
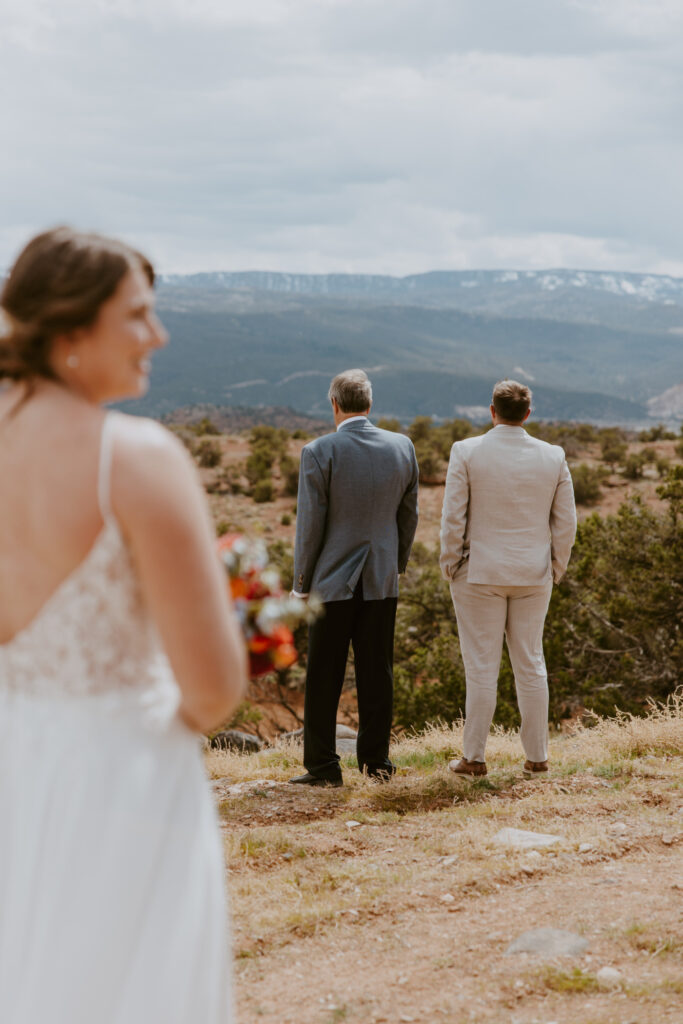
{"x":352,"y":391}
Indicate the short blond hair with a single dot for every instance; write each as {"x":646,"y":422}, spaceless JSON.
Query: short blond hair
{"x":352,"y":391}
{"x":511,"y":400}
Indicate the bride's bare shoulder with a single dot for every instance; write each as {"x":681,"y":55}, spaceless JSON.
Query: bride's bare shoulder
{"x":149,"y":463}
{"x":139,"y":436}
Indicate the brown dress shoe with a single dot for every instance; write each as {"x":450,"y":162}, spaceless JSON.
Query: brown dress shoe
{"x":471,"y":769}
{"x":532,"y":768}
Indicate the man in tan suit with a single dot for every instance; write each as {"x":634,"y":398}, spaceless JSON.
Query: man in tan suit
{"x":507,"y":530}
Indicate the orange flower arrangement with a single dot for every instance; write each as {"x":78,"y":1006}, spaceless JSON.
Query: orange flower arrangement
{"x":265,"y":612}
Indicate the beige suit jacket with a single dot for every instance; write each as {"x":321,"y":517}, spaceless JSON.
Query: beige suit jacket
{"x":508,"y":510}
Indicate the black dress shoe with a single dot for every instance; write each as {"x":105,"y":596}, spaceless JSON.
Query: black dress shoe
{"x":313,"y":780}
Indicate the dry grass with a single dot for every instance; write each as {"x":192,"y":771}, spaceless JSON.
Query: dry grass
{"x":604,"y":743}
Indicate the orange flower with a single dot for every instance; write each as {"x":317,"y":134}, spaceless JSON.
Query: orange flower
{"x":238,"y":587}
{"x":225,"y":542}
{"x":260,"y":644}
{"x":284,"y":656}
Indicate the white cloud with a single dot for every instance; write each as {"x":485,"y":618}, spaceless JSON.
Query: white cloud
{"x":384,"y":135}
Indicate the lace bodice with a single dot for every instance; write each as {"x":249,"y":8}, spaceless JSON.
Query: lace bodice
{"x":94,"y":635}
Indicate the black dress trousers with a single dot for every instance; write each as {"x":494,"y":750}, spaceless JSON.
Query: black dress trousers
{"x":369,"y":627}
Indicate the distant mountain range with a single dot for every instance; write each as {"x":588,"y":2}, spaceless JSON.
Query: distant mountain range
{"x":594,"y":346}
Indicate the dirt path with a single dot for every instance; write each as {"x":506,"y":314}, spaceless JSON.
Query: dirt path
{"x":432,"y":960}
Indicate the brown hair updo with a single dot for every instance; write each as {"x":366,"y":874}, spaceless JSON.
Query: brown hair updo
{"x":58,"y":284}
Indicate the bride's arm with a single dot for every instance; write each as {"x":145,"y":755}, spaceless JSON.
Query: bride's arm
{"x":160,"y":505}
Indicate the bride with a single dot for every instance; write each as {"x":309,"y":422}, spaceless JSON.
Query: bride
{"x":118,"y":647}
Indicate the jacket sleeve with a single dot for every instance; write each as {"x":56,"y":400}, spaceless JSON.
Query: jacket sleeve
{"x":311,"y":517}
{"x":454,"y":514}
{"x":562,"y":523}
{"x":406,"y":515}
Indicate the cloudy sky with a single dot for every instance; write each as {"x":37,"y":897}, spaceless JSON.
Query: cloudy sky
{"x":374,"y":136}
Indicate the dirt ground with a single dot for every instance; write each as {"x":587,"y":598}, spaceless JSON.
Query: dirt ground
{"x":390,"y":903}
{"x":424,"y":960}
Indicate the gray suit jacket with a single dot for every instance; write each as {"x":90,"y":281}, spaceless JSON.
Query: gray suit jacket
{"x":508,"y":510}
{"x":356,"y":512}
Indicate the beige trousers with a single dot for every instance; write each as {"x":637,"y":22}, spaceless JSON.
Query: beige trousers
{"x":486,"y":613}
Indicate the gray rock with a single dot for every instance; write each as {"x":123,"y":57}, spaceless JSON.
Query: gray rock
{"x":609,"y":977}
{"x":345,"y":746}
{"x":548,"y":942}
{"x":297,"y":734}
{"x":345,"y":742}
{"x":518,"y":839}
{"x":345,"y":732}
{"x":232,"y":739}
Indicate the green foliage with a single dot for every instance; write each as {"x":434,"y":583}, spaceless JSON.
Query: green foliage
{"x":429,"y":461}
{"x":246,"y":714}
{"x":433,"y":444}
{"x":208,"y":453}
{"x":262,"y":491}
{"x":389,"y":423}
{"x":289,"y":471}
{"x":285,"y":519}
{"x":268,"y":444}
{"x":258,"y":466}
{"x":420,"y":428}
{"x":613,"y":634}
{"x":634,"y":465}
{"x":587,"y":480}
{"x":679,"y":447}
{"x":612,"y":445}
{"x":204,"y":426}
{"x":658,"y":433}
{"x":272,"y":438}
{"x":671,"y":491}
{"x":570,"y":436}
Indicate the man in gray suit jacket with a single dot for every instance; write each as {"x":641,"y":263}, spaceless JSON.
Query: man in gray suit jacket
{"x":356,"y":520}
{"x":507,"y":530}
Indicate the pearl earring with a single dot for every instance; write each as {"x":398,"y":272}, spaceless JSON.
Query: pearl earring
{"x":72,"y":362}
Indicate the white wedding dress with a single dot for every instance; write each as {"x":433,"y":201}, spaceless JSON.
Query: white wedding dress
{"x":112,"y":907}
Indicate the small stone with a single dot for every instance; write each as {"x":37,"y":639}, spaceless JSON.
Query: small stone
{"x":351,"y":824}
{"x":447,"y":898}
{"x":528,"y":869}
{"x":533,"y":855}
{"x":548,"y":942}
{"x":668,"y":838}
{"x":585,"y":848}
{"x":447,"y":861}
{"x":402,"y":980}
{"x":610,"y":977}
{"x":617,"y":826}
{"x":345,"y":732}
{"x":518,"y":839}
{"x":233,"y":739}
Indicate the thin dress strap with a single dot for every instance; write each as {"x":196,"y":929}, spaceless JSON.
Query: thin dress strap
{"x":104,"y":470}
